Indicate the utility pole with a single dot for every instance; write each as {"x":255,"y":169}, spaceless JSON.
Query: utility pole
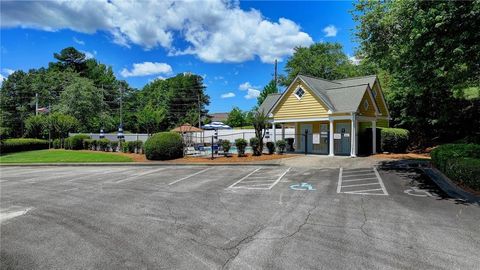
{"x":36,"y":103}
{"x":275,"y":74}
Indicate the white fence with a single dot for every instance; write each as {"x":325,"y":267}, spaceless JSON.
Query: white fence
{"x":205,"y":136}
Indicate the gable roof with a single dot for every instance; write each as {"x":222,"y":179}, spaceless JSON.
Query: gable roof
{"x":342,"y":95}
{"x":269,"y":102}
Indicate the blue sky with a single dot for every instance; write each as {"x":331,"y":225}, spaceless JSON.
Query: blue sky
{"x":232,"y":45}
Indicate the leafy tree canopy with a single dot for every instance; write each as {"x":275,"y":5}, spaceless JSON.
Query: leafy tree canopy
{"x":270,"y":88}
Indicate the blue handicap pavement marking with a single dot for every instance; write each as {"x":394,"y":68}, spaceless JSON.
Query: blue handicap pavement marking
{"x":302,"y":186}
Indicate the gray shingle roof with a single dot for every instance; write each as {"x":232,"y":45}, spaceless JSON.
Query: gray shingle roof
{"x":269,"y":102}
{"x":340,"y":95}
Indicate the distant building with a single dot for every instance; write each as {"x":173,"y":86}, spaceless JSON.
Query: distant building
{"x":218,"y":117}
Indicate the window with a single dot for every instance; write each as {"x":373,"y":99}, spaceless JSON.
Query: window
{"x":365,"y":104}
{"x":374,"y":93}
{"x":299,"y":93}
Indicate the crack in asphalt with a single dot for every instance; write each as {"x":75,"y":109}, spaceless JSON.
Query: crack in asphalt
{"x":244,"y":240}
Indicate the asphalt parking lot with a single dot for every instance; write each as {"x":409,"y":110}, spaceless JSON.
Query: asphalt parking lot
{"x":249,"y":217}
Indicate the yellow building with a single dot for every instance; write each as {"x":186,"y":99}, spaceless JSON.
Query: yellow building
{"x":328,"y":115}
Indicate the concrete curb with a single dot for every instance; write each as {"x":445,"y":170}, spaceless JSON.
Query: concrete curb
{"x":449,"y":187}
{"x":132,"y":164}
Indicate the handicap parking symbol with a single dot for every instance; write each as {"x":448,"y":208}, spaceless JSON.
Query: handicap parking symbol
{"x":302,"y":186}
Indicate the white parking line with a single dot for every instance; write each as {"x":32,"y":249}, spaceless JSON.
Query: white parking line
{"x":358,"y":185}
{"x":279,"y":178}
{"x":252,"y":172}
{"x":186,"y":177}
{"x":368,"y":177}
{"x":339,"y":185}
{"x":133,"y":177}
{"x":380,"y":181}
{"x":246,"y":183}
{"x":359,"y":179}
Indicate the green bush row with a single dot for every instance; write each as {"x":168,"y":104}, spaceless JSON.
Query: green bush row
{"x":164,"y":146}
{"x":394,"y":140}
{"x":22,"y":144}
{"x":460,"y":162}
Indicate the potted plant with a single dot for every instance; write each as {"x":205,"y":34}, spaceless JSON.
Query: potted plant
{"x":270,"y":147}
{"x":226,"y":147}
{"x":282,"y":145}
{"x":241,"y":144}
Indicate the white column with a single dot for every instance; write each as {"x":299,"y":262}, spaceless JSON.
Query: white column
{"x":374,"y":137}
{"x":283,"y":131}
{"x":274,"y":133}
{"x":353,"y":136}
{"x":357,"y":129}
{"x":330,"y":153}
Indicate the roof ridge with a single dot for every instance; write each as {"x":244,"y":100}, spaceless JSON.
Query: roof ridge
{"x":346,"y":86}
{"x":317,"y":78}
{"x":356,"y":77}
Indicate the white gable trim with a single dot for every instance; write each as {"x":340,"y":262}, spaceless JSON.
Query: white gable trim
{"x":381,"y":94}
{"x":329,"y":106}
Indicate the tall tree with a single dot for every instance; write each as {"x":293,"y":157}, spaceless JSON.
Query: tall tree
{"x":431,"y":51}
{"x":150,"y":119}
{"x":270,"y":88}
{"x":324,"y":60}
{"x":236,"y":118}
{"x":71,"y":58}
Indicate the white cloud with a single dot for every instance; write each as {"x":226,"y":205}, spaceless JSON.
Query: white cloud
{"x":252,"y":93}
{"x":8,"y":71}
{"x":89,"y":55}
{"x":354,"y":60}
{"x":246,"y":85}
{"x":78,"y":41}
{"x":218,"y":78}
{"x":1,"y":79}
{"x":330,"y":31}
{"x":228,"y":95}
{"x":215,"y":31}
{"x":147,"y":68}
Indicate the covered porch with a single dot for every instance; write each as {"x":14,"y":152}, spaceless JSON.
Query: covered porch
{"x":332,"y":136}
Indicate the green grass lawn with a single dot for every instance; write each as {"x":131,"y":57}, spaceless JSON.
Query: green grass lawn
{"x":57,"y":155}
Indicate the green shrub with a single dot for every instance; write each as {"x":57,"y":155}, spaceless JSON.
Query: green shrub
{"x":270,"y":147}
{"x":241,"y":144}
{"x":282,"y":145}
{"x":164,"y":146}
{"x":67,"y":143}
{"x":124,"y":147}
{"x":94,"y":144}
{"x":87,"y":144}
{"x":57,"y":144}
{"x":444,"y":154}
{"x":76,"y":141}
{"x":114,"y":145}
{"x":226,"y":146}
{"x":255,"y":144}
{"x":394,"y":140}
{"x":138,"y":146}
{"x":22,"y":144}
{"x":465,"y":171}
{"x":103,"y":144}
{"x":460,"y":162}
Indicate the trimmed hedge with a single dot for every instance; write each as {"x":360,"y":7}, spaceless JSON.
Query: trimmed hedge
{"x":76,"y":141}
{"x":164,"y":146}
{"x":270,"y":147}
{"x":57,"y":144}
{"x":282,"y":145}
{"x":103,"y":144}
{"x":394,"y":140}
{"x":241,"y":144}
{"x":460,"y":162}
{"x":22,"y":144}
{"x":255,"y":144}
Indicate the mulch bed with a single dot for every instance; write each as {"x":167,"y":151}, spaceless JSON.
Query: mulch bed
{"x":403,"y":156}
{"x":204,"y":159}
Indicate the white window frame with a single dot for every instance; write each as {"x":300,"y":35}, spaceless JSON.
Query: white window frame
{"x":365,"y":104}
{"x":295,"y":93}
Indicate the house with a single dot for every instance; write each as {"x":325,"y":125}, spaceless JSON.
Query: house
{"x":328,"y":115}
{"x":219,"y":117}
